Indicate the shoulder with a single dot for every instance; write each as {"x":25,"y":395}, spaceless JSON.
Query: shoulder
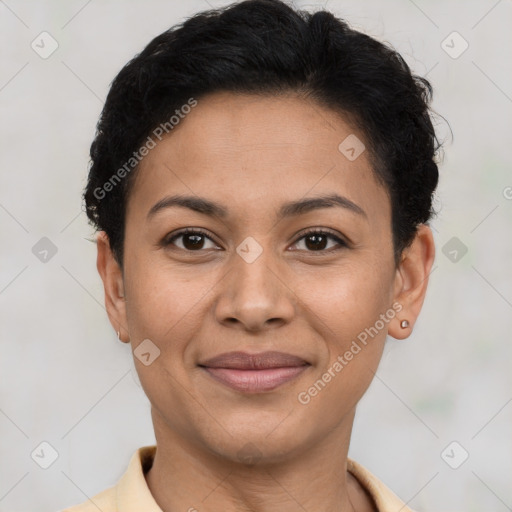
{"x":131,"y":491}
{"x":385,"y":500}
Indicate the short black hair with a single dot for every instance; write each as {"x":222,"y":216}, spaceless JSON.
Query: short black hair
{"x":266,"y":47}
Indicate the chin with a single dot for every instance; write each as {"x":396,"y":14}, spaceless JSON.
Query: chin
{"x":249,"y":441}
{"x":256,"y":450}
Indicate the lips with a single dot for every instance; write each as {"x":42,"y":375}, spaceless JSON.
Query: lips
{"x":254,"y":373}
{"x":262,"y":361}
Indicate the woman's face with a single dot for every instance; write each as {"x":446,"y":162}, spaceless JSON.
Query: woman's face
{"x":253,"y":280}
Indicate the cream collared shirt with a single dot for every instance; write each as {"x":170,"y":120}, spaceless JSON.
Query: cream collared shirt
{"x":131,"y":493}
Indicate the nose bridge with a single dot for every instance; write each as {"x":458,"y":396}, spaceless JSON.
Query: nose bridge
{"x":253,"y":294}
{"x":254,"y":272}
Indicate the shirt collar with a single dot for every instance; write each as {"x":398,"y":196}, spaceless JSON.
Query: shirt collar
{"x":384,"y":498}
{"x":132,"y":491}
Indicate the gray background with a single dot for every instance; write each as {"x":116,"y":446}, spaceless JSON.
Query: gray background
{"x":67,"y":381}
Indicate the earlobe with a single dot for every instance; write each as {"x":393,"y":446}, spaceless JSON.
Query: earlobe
{"x":411,"y":281}
{"x":113,"y":284}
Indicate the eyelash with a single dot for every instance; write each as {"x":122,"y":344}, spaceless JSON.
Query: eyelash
{"x":312,"y":231}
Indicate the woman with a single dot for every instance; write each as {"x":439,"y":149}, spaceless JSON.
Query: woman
{"x":261,"y":181}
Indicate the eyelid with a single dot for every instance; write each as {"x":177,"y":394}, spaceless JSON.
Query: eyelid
{"x":340,"y":240}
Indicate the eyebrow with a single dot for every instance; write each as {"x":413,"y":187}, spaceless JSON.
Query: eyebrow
{"x":292,"y":208}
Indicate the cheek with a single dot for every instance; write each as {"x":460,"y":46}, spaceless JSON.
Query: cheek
{"x":163,"y":299}
{"x":166,"y":306}
{"x":349,"y":299}
{"x":346,"y":310}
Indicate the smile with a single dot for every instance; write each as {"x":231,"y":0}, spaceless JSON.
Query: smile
{"x":254,"y":373}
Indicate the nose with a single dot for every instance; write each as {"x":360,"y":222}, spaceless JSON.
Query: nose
{"x":253,"y":297}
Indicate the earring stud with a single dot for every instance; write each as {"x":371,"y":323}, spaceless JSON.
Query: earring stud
{"x":404,"y":324}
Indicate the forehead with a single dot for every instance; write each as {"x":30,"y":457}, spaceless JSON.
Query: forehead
{"x":245,"y":150}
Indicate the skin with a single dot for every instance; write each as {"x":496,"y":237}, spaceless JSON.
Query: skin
{"x":252,"y":154}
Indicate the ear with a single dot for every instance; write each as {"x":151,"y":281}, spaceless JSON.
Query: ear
{"x":411,"y":281}
{"x":113,"y":284}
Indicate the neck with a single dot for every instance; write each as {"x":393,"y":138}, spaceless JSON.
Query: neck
{"x":187,"y":477}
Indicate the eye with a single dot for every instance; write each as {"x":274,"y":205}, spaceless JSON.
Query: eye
{"x":191,"y":240}
{"x":317,"y":240}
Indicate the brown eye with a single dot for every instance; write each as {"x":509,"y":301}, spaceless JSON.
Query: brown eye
{"x":191,"y":240}
{"x":318,"y":241}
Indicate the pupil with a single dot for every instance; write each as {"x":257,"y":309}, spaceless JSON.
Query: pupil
{"x":195,"y":244}
{"x":317,"y":240}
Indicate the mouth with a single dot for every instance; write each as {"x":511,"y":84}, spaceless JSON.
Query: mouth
{"x":254,"y":373}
